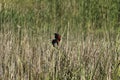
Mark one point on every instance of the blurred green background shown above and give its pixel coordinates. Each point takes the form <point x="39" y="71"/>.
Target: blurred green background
<point x="48" y="16"/>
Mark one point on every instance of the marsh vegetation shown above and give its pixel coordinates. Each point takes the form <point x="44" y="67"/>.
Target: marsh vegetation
<point x="90" y="45"/>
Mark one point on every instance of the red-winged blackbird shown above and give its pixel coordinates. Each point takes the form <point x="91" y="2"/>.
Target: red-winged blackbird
<point x="56" y="40"/>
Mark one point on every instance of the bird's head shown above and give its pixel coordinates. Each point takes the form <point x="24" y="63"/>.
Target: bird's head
<point x="57" y="36"/>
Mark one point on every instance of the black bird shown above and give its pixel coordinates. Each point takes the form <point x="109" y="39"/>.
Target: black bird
<point x="56" y="40"/>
